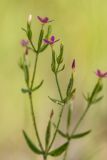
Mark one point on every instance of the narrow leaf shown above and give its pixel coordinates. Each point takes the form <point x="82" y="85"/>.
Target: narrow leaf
<point x="61" y="133"/>
<point x="48" y="134"/>
<point x="31" y="145"/>
<point x="49" y="31"/>
<point x="97" y="100"/>
<point x="38" y="86"/>
<point x="56" y="101"/>
<point x="86" y="98"/>
<point x="60" y="57"/>
<point x="80" y="135"/>
<point x="29" y="34"/>
<point x="70" y="95"/>
<point x="24" y="29"/>
<point x="25" y="90"/>
<point x="53" y="64"/>
<point x="58" y="151"/>
<point x="46" y="37"/>
<point x="98" y="87"/>
<point x="63" y="67"/>
<point x="26" y="73"/>
<point x="69" y="115"/>
<point x="70" y="85"/>
<point x="43" y="47"/>
<point x="40" y="39"/>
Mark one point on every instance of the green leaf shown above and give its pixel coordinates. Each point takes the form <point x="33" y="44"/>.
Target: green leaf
<point x="49" y="31"/>
<point x="37" y="87"/>
<point x="53" y="64"/>
<point x="58" y="151"/>
<point x="97" y="100"/>
<point x="29" y="32"/>
<point x="60" y="132"/>
<point x="48" y="134"/>
<point x="24" y="29"/>
<point x="86" y="97"/>
<point x="40" y="39"/>
<point x="46" y="37"/>
<point x="60" y="57"/>
<point x="56" y="101"/>
<point x="69" y="116"/>
<point x="21" y="63"/>
<point x="98" y="87"/>
<point x="70" y="95"/>
<point x="63" y="67"/>
<point x="70" y="85"/>
<point x="80" y="135"/>
<point x="43" y="47"/>
<point x="26" y="73"/>
<point x="31" y="145"/>
<point x="25" y="90"/>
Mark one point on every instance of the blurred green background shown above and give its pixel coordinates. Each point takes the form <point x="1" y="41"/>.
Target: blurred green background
<point x="82" y="27"/>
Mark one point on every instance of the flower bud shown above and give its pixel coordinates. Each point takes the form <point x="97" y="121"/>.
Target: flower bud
<point x="73" y="64"/>
<point x="52" y="113"/>
<point x="24" y="42"/>
<point x="29" y="19"/>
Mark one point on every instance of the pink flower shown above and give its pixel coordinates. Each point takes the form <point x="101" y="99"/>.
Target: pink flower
<point x="100" y="74"/>
<point x="24" y="42"/>
<point x="44" y="20"/>
<point x="51" y="41"/>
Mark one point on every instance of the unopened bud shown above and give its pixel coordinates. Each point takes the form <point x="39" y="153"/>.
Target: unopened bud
<point x="73" y="64"/>
<point x="52" y="113"/>
<point x="29" y="19"/>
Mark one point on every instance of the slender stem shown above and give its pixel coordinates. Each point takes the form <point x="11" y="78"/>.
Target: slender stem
<point x="75" y="128"/>
<point x="30" y="97"/>
<point x="34" y="121"/>
<point x="81" y="118"/>
<point x="34" y="71"/>
<point x="65" y="155"/>
<point x="54" y="136"/>
<point x="33" y="46"/>
<point x="56" y="78"/>
<point x="61" y="112"/>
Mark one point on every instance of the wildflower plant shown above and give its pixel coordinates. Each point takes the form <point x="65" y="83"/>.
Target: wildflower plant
<point x="64" y="101"/>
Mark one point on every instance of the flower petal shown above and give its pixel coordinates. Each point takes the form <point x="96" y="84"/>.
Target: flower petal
<point x="105" y="74"/>
<point x="45" y="20"/>
<point x="39" y="18"/>
<point x="52" y="38"/>
<point x="46" y="41"/>
<point x="56" y="40"/>
<point x="24" y="42"/>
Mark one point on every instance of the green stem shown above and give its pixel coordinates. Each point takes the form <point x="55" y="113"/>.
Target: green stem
<point x="33" y="46"/>
<point x="83" y="115"/>
<point x="30" y="98"/>
<point x="34" y="71"/>
<point x="65" y="154"/>
<point x="75" y="128"/>
<point x="81" y="118"/>
<point x="61" y="112"/>
<point x="34" y="121"/>
<point x="54" y="136"/>
<point x="58" y="86"/>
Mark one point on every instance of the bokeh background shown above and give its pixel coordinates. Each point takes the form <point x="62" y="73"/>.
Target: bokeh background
<point x="82" y="27"/>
